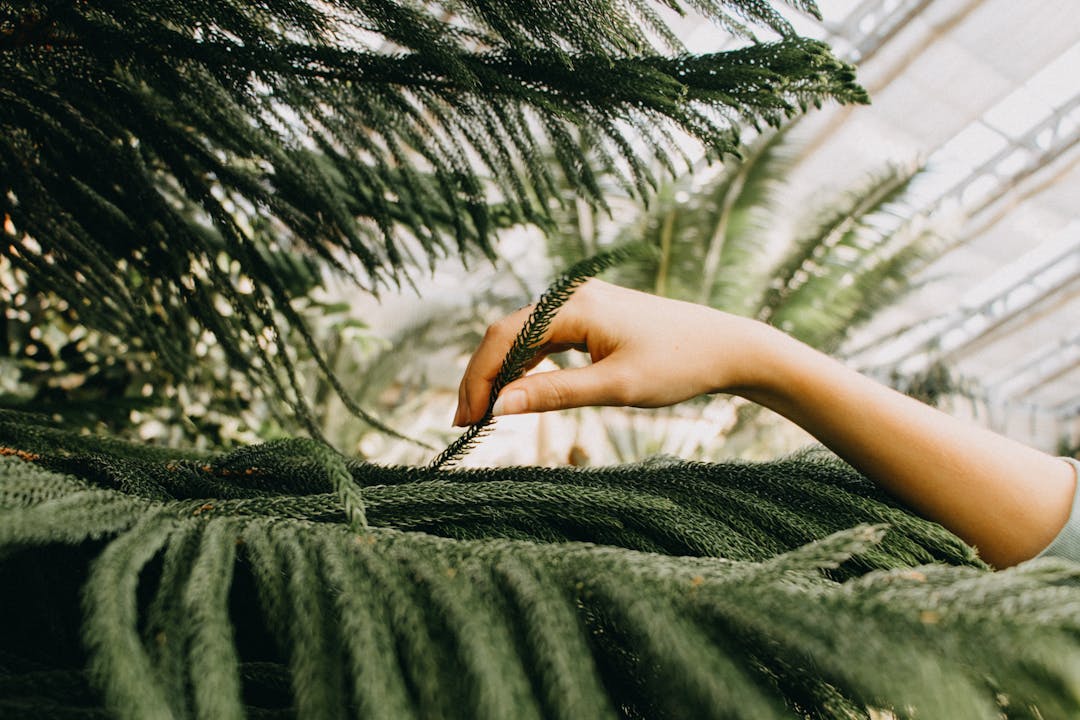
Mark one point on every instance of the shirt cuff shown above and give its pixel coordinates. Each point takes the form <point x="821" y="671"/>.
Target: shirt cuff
<point x="1067" y="543"/>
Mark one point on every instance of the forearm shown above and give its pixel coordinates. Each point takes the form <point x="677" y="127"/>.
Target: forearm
<point x="1007" y="499"/>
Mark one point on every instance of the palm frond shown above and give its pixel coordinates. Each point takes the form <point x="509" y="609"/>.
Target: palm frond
<point x="735" y="264"/>
<point x="847" y="268"/>
<point x="836" y="225"/>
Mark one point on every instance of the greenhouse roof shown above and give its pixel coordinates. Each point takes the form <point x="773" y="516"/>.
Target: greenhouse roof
<point x="987" y="93"/>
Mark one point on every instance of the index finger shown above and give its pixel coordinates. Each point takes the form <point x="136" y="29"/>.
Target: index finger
<point x="484" y="365"/>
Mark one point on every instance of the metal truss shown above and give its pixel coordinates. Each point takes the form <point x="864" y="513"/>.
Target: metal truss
<point x="1068" y="409"/>
<point x="1038" y="292"/>
<point x="868" y="27"/>
<point x="1034" y="294"/>
<point x="1037" y="370"/>
<point x="1039" y="146"/>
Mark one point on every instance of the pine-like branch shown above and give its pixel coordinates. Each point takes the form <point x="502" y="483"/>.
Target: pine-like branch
<point x="164" y="163"/>
<point x="516" y="592"/>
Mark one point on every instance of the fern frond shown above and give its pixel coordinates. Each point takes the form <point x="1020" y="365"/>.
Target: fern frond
<point x="72" y="518"/>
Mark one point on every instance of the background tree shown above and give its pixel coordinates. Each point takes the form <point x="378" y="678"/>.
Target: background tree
<point x="372" y="137"/>
<point x="726" y="236"/>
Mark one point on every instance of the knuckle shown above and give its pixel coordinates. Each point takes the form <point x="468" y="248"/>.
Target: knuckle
<point x="553" y="394"/>
<point x="503" y="328"/>
<point x="560" y="394"/>
<point x="493" y="331"/>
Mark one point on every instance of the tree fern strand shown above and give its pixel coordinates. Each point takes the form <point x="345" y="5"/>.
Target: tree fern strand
<point x="314" y="657"/>
<point x="378" y="688"/>
<point x="164" y="635"/>
<point x="212" y="649"/>
<point x="120" y="661"/>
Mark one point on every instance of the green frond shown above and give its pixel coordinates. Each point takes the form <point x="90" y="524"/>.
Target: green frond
<point x="72" y="518"/>
<point x="378" y="689"/>
<point x="120" y="662"/>
<point x="273" y="602"/>
<point x="269" y="578"/>
<point x="250" y="148"/>
<point x="552" y="641"/>
<point x="425" y="657"/>
<point x="836" y="242"/>
<point x="211" y="644"/>
<point x="712" y="229"/>
<point x="744" y="217"/>
<point x="348" y="492"/>
<point x="23" y="485"/>
<point x="315" y="653"/>
<point x="703" y="678"/>
<point x="165" y="635"/>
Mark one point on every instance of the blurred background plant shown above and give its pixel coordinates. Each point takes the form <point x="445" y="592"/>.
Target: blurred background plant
<point x="724" y="235"/>
<point x="729" y="237"/>
<point x="186" y="189"/>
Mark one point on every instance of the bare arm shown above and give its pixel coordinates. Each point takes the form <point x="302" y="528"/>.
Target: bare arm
<point x="1006" y="498"/>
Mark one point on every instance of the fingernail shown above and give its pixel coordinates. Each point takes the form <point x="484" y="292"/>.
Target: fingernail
<point x="509" y="403"/>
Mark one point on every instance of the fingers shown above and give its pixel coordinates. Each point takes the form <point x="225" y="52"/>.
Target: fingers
<point x="475" y="388"/>
<point x="598" y="384"/>
<point x="484" y="365"/>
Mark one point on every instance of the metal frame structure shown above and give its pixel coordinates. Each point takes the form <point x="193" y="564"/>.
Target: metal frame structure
<point x="1025" y="166"/>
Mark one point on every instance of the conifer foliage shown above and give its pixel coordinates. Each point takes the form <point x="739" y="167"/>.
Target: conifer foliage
<point x="285" y="580"/>
<point x="142" y="583"/>
<point x="163" y="162"/>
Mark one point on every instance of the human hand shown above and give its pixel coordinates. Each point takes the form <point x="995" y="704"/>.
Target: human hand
<point x="646" y="351"/>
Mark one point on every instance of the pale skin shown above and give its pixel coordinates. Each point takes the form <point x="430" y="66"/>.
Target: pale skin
<point x="1005" y="498"/>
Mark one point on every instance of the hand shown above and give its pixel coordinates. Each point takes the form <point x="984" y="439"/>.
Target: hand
<point x="646" y="351"/>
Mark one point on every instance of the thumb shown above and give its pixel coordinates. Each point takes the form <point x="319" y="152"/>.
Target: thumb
<point x="560" y="389"/>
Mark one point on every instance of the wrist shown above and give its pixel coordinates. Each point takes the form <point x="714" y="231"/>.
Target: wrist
<point x="768" y="365"/>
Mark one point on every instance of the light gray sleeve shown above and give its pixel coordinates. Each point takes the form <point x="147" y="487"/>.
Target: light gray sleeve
<point x="1067" y="543"/>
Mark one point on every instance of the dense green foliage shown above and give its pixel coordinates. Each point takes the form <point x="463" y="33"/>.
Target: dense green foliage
<point x="177" y="173"/>
<point x="165" y="167"/>
<point x="218" y="585"/>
